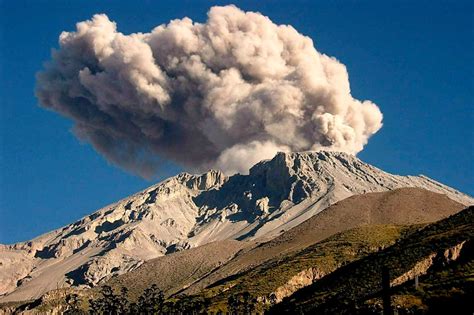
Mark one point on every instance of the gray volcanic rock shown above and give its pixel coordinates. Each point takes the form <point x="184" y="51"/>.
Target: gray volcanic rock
<point x="190" y="210"/>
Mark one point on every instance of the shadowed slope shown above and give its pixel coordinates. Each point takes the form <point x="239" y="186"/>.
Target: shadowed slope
<point x="276" y="279"/>
<point x="427" y="251"/>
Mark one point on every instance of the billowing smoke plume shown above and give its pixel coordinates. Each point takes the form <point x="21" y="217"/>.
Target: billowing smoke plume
<point x="225" y="94"/>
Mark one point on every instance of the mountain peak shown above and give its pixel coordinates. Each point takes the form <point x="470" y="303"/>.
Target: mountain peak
<point x="294" y="162"/>
<point x="208" y="180"/>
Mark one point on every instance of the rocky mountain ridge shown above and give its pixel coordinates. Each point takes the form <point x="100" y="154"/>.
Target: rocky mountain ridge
<point x="190" y="210"/>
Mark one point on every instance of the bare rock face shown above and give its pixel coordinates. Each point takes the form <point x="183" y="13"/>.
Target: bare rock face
<point x="298" y="281"/>
<point x="190" y="210"/>
<point x="206" y="181"/>
<point x="433" y="260"/>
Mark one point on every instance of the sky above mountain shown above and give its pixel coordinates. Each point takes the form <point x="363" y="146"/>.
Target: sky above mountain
<point x="413" y="60"/>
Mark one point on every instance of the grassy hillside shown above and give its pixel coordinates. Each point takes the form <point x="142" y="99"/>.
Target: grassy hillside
<point x="440" y="291"/>
<point x="432" y="250"/>
<point x="292" y="271"/>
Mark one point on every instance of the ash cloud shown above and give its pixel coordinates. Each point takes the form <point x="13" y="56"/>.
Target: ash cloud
<point x="225" y="93"/>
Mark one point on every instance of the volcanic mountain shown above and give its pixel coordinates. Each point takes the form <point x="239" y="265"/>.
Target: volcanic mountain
<point x="381" y="218"/>
<point x="191" y="210"/>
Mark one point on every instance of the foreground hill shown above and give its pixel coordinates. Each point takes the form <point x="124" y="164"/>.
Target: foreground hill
<point x="272" y="281"/>
<point x="190" y="210"/>
<point x="441" y="254"/>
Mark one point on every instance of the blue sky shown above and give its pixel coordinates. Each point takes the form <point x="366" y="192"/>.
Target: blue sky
<point x="414" y="60"/>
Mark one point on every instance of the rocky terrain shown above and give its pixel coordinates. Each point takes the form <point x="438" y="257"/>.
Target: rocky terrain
<point x="327" y="275"/>
<point x="400" y="207"/>
<point x="187" y="211"/>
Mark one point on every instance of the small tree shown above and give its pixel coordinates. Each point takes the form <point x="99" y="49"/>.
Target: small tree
<point x="72" y="301"/>
<point x="151" y="301"/>
<point x="272" y="299"/>
<point x="190" y="306"/>
<point x="109" y="303"/>
<point x="241" y="303"/>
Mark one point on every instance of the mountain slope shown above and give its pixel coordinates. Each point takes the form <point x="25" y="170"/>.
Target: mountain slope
<point x="278" y="278"/>
<point x="282" y="275"/>
<point x="190" y="210"/>
<point x="178" y="270"/>
<point x="428" y="251"/>
<point x="403" y="206"/>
